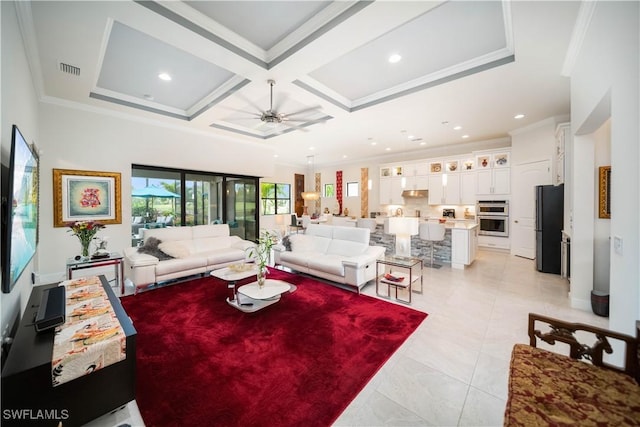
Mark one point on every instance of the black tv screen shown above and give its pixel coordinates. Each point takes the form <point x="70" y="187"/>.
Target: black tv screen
<point x="20" y="210"/>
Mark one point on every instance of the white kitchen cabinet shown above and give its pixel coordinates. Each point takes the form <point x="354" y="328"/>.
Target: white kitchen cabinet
<point x="417" y="183"/>
<point x="464" y="243"/>
<point x="452" y="190"/>
<point x="436" y="190"/>
<point x="468" y="188"/>
<point x="391" y="191"/>
<point x="441" y="193"/>
<point x="494" y="181"/>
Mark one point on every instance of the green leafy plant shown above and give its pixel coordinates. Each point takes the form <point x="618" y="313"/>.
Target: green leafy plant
<point x="262" y="251"/>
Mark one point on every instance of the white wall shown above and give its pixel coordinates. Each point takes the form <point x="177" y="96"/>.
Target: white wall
<point x="601" y="226"/>
<point x="605" y="74"/>
<point x="18" y="106"/>
<point x="534" y="142"/>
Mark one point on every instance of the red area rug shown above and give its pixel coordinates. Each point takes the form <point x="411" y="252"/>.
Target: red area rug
<point x="201" y="362"/>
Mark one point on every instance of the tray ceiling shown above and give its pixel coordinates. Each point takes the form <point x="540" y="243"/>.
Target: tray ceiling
<point x="335" y="92"/>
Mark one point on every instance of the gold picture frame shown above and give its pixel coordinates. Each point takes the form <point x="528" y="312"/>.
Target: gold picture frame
<point x="86" y="196"/>
<point x="604" y="192"/>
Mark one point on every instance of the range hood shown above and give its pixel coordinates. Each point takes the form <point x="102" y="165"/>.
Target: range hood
<point x="415" y="194"/>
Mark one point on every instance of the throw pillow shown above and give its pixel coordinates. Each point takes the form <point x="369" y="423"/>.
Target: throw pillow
<point x="286" y="243"/>
<point x="150" y="247"/>
<point x="301" y="243"/>
<point x="175" y="249"/>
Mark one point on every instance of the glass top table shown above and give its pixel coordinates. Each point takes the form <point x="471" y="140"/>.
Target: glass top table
<point x="403" y="279"/>
<point x="113" y="258"/>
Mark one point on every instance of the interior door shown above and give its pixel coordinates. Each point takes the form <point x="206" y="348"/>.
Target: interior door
<point x="523" y="206"/>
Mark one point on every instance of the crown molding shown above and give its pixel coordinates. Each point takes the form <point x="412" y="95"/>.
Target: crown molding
<point x="577" y="37"/>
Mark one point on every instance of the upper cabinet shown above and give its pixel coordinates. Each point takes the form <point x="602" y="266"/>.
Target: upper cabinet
<point x="391" y="191"/>
<point x="460" y="180"/>
<point x="493" y="173"/>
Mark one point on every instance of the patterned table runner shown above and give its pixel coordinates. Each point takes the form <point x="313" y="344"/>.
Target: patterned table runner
<point x="91" y="337"/>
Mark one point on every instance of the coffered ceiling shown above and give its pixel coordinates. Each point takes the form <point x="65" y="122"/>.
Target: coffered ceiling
<point x="465" y="68"/>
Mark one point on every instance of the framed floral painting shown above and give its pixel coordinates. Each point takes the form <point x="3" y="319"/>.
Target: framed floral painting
<point x="86" y="196"/>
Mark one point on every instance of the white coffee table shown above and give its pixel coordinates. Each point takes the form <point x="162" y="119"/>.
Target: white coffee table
<point x="232" y="277"/>
<point x="251" y="298"/>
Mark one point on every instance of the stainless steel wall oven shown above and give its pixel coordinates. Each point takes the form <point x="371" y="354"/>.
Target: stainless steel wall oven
<point x="493" y="217"/>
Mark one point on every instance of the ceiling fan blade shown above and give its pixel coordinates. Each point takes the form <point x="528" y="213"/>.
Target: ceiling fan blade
<point x="304" y="110"/>
<point x="296" y="127"/>
<point x="237" y="110"/>
<point x="257" y="111"/>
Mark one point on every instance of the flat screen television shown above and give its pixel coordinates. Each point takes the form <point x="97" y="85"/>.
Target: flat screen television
<point x="19" y="210"/>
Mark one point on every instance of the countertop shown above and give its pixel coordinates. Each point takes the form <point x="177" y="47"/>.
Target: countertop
<point x="468" y="224"/>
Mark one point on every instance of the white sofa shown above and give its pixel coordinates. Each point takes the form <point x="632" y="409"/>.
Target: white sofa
<point x="195" y="250"/>
<point x="339" y="254"/>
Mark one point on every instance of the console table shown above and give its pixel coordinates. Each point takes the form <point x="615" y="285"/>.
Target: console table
<point x="114" y="259"/>
<point x="27" y="387"/>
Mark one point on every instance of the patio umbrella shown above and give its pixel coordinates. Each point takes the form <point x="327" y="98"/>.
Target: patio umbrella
<point x="153" y="192"/>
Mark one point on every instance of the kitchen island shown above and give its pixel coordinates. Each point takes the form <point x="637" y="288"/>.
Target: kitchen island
<point x="458" y="248"/>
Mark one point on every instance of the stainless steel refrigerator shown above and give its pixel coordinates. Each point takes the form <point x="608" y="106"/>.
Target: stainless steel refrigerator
<point x="549" y="224"/>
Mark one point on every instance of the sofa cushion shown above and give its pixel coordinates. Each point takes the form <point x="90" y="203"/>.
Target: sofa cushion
<point x="169" y="234"/>
<point x="320" y="230"/>
<point x="150" y="247"/>
<point x="176" y="249"/>
<point x="180" y="264"/>
<point x="547" y="388"/>
<point x="331" y="264"/>
<point x="226" y="255"/>
<point x="349" y="241"/>
<point x="346" y="248"/>
<point x="207" y="244"/>
<point x="213" y="230"/>
<point x="297" y="258"/>
<point x="309" y="243"/>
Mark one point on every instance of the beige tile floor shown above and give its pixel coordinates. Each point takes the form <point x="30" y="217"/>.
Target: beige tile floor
<point x="453" y="370"/>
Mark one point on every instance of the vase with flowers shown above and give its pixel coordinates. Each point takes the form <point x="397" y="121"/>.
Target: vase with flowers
<point x="85" y="231"/>
<point x="261" y="254"/>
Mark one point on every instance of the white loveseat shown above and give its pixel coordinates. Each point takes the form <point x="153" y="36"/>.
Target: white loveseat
<point x="339" y="254"/>
<point x="197" y="249"/>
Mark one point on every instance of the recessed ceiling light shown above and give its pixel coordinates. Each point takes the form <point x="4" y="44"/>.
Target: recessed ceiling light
<point x="518" y="116"/>
<point x="411" y="137"/>
<point x="388" y="149"/>
<point x="344" y="156"/>
<point x="465" y="136"/>
<point x="164" y="76"/>
<point x="312" y="148"/>
<point x="374" y="143"/>
<point x="275" y="155"/>
<point x="395" y="58"/>
<point x="423" y="143"/>
<point x="457" y="127"/>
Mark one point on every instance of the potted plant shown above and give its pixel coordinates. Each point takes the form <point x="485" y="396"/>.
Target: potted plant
<point x="261" y="253"/>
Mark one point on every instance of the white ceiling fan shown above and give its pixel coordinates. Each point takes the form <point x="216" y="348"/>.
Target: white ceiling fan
<point x="272" y="115"/>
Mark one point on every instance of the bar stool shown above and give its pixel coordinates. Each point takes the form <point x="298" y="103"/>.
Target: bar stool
<point x="431" y="232"/>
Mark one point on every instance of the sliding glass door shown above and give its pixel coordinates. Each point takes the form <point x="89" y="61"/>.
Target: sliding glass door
<point x="241" y="207"/>
<point x="169" y="197"/>
<point x="203" y="199"/>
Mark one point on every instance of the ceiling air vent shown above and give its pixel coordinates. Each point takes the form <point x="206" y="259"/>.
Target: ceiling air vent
<point x="69" y="69"/>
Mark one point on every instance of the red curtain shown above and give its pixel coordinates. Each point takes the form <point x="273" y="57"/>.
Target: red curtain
<point x="339" y="191"/>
